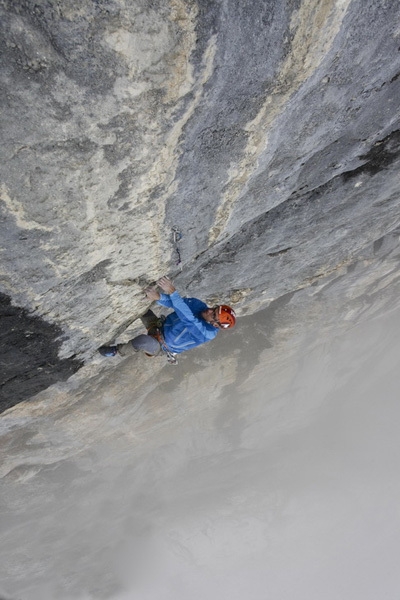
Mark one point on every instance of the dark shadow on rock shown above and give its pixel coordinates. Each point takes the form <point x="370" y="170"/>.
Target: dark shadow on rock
<point x="382" y="154"/>
<point x="29" y="360"/>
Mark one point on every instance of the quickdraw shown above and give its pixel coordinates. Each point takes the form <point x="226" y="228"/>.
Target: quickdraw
<point x="156" y="333"/>
<point x="176" y="237"/>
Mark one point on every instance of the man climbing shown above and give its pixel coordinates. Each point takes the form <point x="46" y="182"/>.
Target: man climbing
<point x="192" y="323"/>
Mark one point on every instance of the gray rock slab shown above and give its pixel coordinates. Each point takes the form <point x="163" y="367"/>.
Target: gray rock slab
<point x="265" y="132"/>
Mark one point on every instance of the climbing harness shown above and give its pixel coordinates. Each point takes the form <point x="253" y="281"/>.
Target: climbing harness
<point x="154" y="327"/>
<point x="157" y="335"/>
<point x="156" y="332"/>
<point x="176" y="237"/>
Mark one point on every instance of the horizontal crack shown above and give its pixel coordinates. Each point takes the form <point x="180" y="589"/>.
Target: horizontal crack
<point x="279" y="252"/>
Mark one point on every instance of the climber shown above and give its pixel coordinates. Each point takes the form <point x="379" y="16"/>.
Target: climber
<point x="192" y="323"/>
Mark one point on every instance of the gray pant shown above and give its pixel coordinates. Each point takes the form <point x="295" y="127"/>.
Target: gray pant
<point x="143" y="342"/>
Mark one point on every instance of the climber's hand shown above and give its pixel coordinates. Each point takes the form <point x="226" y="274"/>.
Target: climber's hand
<point x="152" y="293"/>
<point x="166" y="285"/>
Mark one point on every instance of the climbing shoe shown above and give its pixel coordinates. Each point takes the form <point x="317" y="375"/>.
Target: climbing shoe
<point x="108" y="350"/>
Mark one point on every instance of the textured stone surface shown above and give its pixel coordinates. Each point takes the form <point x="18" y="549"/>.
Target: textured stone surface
<point x="91" y="467"/>
<point x="266" y="132"/>
<point x="29" y="362"/>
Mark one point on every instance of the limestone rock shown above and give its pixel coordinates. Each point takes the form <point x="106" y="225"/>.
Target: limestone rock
<point x="267" y="133"/>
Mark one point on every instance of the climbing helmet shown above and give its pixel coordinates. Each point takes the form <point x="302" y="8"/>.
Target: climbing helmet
<point x="226" y="316"/>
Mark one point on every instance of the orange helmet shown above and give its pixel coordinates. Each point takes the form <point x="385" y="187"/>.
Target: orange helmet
<point x="226" y="316"/>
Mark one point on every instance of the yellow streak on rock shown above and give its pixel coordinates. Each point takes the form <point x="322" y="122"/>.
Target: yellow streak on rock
<point x="159" y="58"/>
<point x="163" y="171"/>
<point x="17" y="211"/>
<point x="317" y="22"/>
<point x="182" y="80"/>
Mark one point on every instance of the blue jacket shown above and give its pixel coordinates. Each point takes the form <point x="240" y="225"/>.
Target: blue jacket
<point x="184" y="328"/>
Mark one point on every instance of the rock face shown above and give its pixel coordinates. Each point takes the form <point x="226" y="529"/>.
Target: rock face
<point x="29" y="360"/>
<point x="266" y="133"/>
